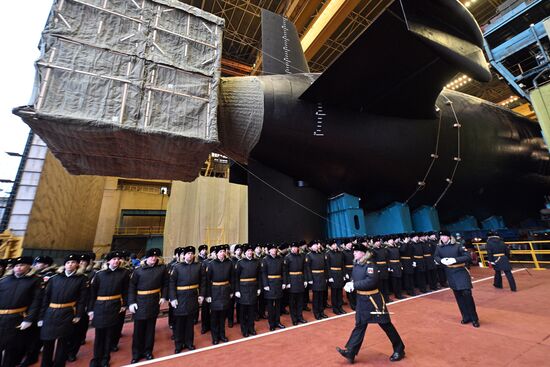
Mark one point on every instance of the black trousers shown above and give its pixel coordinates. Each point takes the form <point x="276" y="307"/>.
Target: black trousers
<point x="284" y="301"/>
<point x="205" y="317"/>
<point x="431" y="277"/>
<point x="352" y="299"/>
<point x="231" y="312"/>
<point x="384" y="286"/>
<point x="336" y="298"/>
<point x="217" y="324"/>
<point x="317" y="303"/>
<point x="144" y="337"/>
<point x="296" y="306"/>
<point x="466" y="304"/>
<point x="498" y="279"/>
<point x="184" y="335"/>
<point x="441" y="276"/>
<point x="118" y="330"/>
<point x="261" y="305"/>
<point x="273" y="311"/>
<point x="248" y="314"/>
<point x="306" y="296"/>
<point x="11" y="349"/>
<point x="396" y="286"/>
<point x="420" y="279"/>
<point x="48" y="358"/>
<point x="79" y="335"/>
<point x="33" y="344"/>
<point x="358" y="335"/>
<point x="103" y="342"/>
<point x="408" y="283"/>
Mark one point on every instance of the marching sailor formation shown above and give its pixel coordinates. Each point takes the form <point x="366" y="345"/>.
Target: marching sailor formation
<point x="50" y="308"/>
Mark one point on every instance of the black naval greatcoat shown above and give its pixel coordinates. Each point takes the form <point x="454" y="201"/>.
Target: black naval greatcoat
<point x="248" y="280"/>
<point x="335" y="266"/>
<point x="20" y="300"/>
<point x="429" y="250"/>
<point x="187" y="283"/>
<point x="406" y="253"/>
<point x="273" y="276"/>
<point x="369" y="299"/>
<point x="458" y="276"/>
<point x="295" y="270"/>
<point x="394" y="262"/>
<point x="317" y="271"/>
<point x="348" y="262"/>
<point x="64" y="299"/>
<point x="148" y="284"/>
<point x="418" y="256"/>
<point x="112" y="284"/>
<point x="498" y="253"/>
<point x="381" y="257"/>
<point x="219" y="283"/>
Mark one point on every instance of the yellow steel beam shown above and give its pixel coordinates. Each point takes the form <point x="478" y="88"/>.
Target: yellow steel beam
<point x="331" y="16"/>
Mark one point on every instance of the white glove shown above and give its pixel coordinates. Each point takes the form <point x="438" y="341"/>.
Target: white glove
<point x="201" y="300"/>
<point x="209" y="299"/>
<point x="288" y="285"/>
<point x="305" y="284"/>
<point x="24" y="325"/>
<point x="492" y="263"/>
<point x="238" y="294"/>
<point x="122" y="309"/>
<point x="284" y="286"/>
<point x="445" y="261"/>
<point x="133" y="307"/>
<point x="451" y="261"/>
<point x="266" y="289"/>
<point x="331" y="280"/>
<point x="258" y="292"/>
<point x="347" y="276"/>
<point x="174" y="303"/>
<point x="310" y="282"/>
<point x="91" y="315"/>
<point x="414" y="264"/>
<point x="40" y="323"/>
<point x="348" y="287"/>
<point x="76" y="320"/>
<point x="230" y="295"/>
<point x="161" y="301"/>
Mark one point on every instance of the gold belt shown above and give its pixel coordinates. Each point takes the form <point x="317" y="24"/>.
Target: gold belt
<point x="317" y="271"/>
<point x="405" y="257"/>
<point x="336" y="269"/>
<point x="367" y="293"/>
<point x="273" y="277"/>
<point x="349" y="266"/>
<point x="62" y="305"/>
<point x="380" y="262"/>
<point x="428" y="255"/>
<point x="145" y="293"/>
<point x="456" y="265"/>
<point x="394" y="261"/>
<point x="498" y="255"/>
<point x="13" y="311"/>
<point x="296" y="273"/>
<point x="220" y="283"/>
<point x="248" y="279"/>
<point x="187" y="287"/>
<point x="419" y="257"/>
<point x="110" y="298"/>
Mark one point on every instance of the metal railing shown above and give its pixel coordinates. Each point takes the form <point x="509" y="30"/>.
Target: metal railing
<point x="521" y="252"/>
<point x="133" y="231"/>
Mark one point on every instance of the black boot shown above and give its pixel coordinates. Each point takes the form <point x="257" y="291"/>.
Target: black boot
<point x="346" y="354"/>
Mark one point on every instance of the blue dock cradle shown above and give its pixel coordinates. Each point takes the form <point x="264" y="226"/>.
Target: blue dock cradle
<point x="466" y="223"/>
<point x="493" y="222"/>
<point x="425" y="219"/>
<point x="395" y="218"/>
<point x="346" y="218"/>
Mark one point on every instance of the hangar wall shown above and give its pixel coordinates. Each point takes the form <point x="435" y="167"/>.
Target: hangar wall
<point x="65" y="211"/>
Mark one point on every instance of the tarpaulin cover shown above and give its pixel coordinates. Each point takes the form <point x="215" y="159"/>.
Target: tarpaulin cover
<point x="128" y="88"/>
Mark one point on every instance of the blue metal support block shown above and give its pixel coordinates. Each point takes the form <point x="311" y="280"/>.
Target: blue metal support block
<point x="342" y="202"/>
<point x="493" y="222"/>
<point x="425" y="219"/>
<point x="346" y="223"/>
<point x="466" y="223"/>
<point x="395" y="218"/>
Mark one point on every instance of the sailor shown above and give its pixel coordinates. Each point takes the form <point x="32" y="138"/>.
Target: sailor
<point x="147" y="292"/>
<point x="274" y="282"/>
<point x="64" y="302"/>
<point x="316" y="268"/>
<point x="20" y="297"/>
<point x="187" y="290"/>
<point x="304" y="250"/>
<point x="498" y="255"/>
<point x="371" y="307"/>
<point x="234" y="303"/>
<point x="455" y="257"/>
<point x="406" y="251"/>
<point x="247" y="289"/>
<point x="260" y="313"/>
<point x="419" y="264"/>
<point x="429" y="245"/>
<point x="394" y="267"/>
<point x="381" y="258"/>
<point x="348" y="263"/>
<point x="295" y="270"/>
<point x="172" y="263"/>
<point x="283" y="251"/>
<point x="336" y="277"/>
<point x="203" y="253"/>
<point x="108" y="300"/>
<point x="219" y="291"/>
<point x="205" y="307"/>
